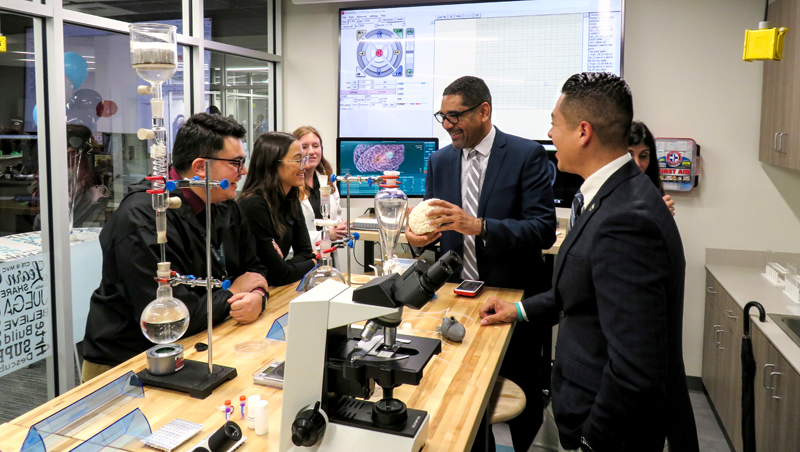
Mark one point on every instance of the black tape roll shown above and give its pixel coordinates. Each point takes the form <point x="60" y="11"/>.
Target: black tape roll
<point x="225" y="437"/>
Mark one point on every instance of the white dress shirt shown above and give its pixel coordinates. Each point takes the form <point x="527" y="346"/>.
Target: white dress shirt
<point x="593" y="183"/>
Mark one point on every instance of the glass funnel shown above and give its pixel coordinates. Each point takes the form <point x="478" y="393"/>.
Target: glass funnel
<point x="165" y="319"/>
<point x="390" y="208"/>
<point x="154" y="51"/>
<point x="324" y="271"/>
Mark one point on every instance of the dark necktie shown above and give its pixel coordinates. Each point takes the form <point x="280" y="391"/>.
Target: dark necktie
<point x="577" y="206"/>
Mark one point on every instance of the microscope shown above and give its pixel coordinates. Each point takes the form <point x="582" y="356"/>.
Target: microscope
<point x="332" y="367"/>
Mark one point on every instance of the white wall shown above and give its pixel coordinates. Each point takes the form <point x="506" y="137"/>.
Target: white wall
<point x="683" y="61"/>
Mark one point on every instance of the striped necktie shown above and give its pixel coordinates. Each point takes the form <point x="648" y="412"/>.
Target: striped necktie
<point x="577" y="207"/>
<point x="470" y="268"/>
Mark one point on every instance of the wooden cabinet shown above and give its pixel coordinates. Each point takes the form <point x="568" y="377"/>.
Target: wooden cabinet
<point x="779" y="142"/>
<point x="776" y="388"/>
<point x="776" y="382"/>
<point x="722" y="364"/>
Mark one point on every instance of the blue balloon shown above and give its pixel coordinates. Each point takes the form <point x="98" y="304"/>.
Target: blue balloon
<point x="75" y="68"/>
<point x="35" y="118"/>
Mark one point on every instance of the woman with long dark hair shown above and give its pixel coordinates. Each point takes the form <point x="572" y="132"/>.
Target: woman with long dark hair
<point x="642" y="146"/>
<point x="318" y="173"/>
<point x="270" y="200"/>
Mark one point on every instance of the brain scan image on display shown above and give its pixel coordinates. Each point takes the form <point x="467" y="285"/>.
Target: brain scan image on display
<point x="378" y="158"/>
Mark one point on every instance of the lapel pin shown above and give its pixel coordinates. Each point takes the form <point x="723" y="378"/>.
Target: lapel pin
<point x="591" y="207"/>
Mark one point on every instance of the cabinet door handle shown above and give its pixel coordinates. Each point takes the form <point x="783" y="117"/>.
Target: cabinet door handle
<point x="775" y="142"/>
<point x="764" y="377"/>
<point x="716" y="330"/>
<point x="730" y="315"/>
<point x="780" y="143"/>
<point x="720" y="341"/>
<point x="772" y="385"/>
<point x="708" y="289"/>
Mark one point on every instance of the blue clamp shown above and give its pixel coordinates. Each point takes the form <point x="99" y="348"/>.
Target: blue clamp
<point x="356" y="235"/>
<point x="224" y="184"/>
<point x="192" y="277"/>
<point x="226" y="284"/>
<point x="369" y="182"/>
<point x="350" y="243"/>
<point x="196" y="178"/>
<point x="333" y="178"/>
<point x="171" y="185"/>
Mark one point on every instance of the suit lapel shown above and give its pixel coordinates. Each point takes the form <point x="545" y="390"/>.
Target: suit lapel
<point x="492" y="170"/>
<point x="624" y="173"/>
<point x="453" y="160"/>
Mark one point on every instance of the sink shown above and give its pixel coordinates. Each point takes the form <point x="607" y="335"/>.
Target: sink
<point x="790" y="324"/>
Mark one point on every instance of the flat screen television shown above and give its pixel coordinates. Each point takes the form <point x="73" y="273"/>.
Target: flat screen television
<point x="394" y="62"/>
<point x="373" y="156"/>
<point x="565" y="185"/>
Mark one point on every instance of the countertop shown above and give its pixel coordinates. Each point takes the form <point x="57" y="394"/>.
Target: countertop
<point x="740" y="274"/>
<point x="455" y="389"/>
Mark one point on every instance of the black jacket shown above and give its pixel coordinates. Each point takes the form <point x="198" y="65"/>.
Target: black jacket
<point x="618" y="376"/>
<point x="130" y="257"/>
<point x="295" y="237"/>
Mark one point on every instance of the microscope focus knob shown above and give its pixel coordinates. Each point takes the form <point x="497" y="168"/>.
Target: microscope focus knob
<point x="308" y="427"/>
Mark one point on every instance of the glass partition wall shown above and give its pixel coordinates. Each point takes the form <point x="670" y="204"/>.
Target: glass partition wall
<point x="69" y="113"/>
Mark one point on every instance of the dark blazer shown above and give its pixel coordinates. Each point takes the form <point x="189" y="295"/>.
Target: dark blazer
<point x="618" y="377"/>
<point x="295" y="237"/>
<point x="517" y="203"/>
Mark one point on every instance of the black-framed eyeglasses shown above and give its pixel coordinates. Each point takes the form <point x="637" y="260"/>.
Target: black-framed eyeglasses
<point x="302" y="161"/>
<point x="238" y="162"/>
<point x="452" y="118"/>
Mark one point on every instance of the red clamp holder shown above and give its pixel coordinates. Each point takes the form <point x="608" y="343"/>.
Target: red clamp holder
<point x="389" y="181"/>
<point x="155" y="192"/>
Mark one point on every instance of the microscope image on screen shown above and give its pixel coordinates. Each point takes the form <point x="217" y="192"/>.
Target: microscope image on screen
<point x="378" y="158"/>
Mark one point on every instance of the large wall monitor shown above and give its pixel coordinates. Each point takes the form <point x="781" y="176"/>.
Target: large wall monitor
<point x="373" y="156"/>
<point x="394" y="63"/>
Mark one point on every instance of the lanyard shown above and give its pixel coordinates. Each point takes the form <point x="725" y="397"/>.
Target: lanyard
<point x="219" y="256"/>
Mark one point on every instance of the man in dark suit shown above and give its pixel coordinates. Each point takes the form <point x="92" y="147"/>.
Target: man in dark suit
<point x="497" y="212"/>
<point x="618" y="381"/>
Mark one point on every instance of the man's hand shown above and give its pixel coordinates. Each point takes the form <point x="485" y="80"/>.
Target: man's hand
<point x="670" y="203"/>
<point x="420" y="240"/>
<point x="245" y="307"/>
<point x="247" y="282"/>
<point x="453" y="218"/>
<point x="498" y="311"/>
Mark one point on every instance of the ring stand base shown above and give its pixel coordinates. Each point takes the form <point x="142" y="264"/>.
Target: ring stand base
<point x="193" y="378"/>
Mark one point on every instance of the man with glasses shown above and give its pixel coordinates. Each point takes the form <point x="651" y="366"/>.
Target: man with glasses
<point x="497" y="211"/>
<point x="131" y="251"/>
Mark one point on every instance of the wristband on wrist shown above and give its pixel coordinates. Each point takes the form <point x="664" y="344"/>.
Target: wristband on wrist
<point x="519" y="312"/>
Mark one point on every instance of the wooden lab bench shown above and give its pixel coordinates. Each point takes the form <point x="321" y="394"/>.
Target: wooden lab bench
<point x="455" y="389"/>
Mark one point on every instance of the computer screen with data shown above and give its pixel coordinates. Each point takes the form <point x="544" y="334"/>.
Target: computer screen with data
<point x="394" y="63"/>
<point x="373" y="156"/>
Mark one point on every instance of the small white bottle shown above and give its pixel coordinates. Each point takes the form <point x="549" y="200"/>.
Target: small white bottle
<point x="262" y="417"/>
<point x="251" y="411"/>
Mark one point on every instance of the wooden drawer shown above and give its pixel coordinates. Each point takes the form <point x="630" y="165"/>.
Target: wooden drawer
<point x="726" y="305"/>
